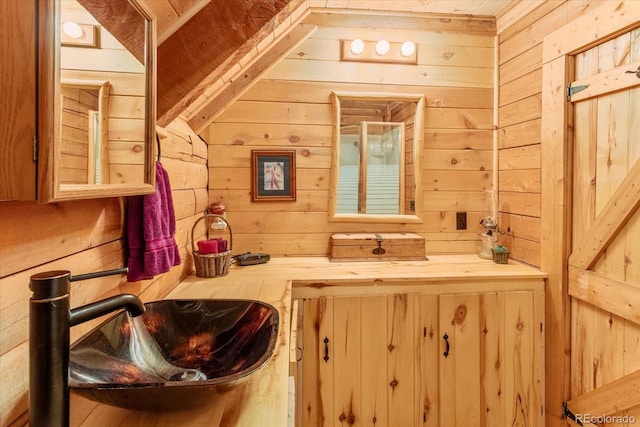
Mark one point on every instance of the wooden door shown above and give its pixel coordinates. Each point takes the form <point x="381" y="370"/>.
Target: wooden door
<point x="359" y="362"/>
<point x="18" y="106"/>
<point x="604" y="265"/>
<point x="491" y="355"/>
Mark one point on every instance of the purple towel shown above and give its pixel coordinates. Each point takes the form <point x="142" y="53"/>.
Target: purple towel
<point x="151" y="229"/>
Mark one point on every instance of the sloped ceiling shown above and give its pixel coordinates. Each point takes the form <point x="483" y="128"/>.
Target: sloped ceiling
<point x="202" y="42"/>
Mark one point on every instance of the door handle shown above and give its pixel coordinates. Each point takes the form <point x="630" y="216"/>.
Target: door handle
<point x="636" y="72"/>
<point x="446" y="341"/>
<point x="326" y="349"/>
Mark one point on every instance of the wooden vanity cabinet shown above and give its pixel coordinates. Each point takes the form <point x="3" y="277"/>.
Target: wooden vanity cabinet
<point x="419" y="359"/>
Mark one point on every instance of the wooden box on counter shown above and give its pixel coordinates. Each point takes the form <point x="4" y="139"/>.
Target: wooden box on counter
<point x="377" y="247"/>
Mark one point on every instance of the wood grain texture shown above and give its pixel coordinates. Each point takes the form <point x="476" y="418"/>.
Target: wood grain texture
<point x="18" y="109"/>
<point x="604" y="322"/>
<point x="123" y="21"/>
<point x="596" y="358"/>
<point x="188" y="56"/>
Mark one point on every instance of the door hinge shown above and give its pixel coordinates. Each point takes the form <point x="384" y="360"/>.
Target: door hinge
<point x="566" y="413"/>
<point x="35" y="148"/>
<point x="571" y="90"/>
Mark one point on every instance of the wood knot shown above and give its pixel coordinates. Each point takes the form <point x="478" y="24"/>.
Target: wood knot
<point x="448" y="55"/>
<point x="520" y="326"/>
<point x="461" y="314"/>
<point x="393" y="384"/>
<point x="350" y="419"/>
<point x="391" y="347"/>
<point x="137" y="148"/>
<point x="237" y="142"/>
<point x="305" y="153"/>
<point x="294" y="138"/>
<point x="454" y="161"/>
<point x="265" y="136"/>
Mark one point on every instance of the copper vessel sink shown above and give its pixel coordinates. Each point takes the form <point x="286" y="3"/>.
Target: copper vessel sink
<point x="223" y="341"/>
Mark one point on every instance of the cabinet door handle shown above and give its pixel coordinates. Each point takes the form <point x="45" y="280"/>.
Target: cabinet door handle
<point x="446" y="341"/>
<point x="326" y="349"/>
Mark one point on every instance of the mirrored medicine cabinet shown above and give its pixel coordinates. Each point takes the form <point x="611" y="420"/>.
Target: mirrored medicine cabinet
<point x="376" y="157"/>
<point x="96" y="107"/>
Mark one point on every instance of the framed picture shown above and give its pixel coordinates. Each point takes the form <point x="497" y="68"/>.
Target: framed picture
<point x="273" y="175"/>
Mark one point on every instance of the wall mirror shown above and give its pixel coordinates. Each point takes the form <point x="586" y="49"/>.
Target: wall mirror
<point x="97" y="132"/>
<point x="376" y="157"/>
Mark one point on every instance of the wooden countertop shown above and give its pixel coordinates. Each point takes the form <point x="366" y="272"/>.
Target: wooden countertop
<point x="262" y="399"/>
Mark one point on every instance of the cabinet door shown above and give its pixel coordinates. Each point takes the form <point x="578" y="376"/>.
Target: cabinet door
<point x="359" y="362"/>
<point x="18" y="105"/>
<point x="491" y="347"/>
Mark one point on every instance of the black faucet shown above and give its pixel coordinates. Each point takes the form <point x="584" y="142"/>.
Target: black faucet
<point x="50" y="321"/>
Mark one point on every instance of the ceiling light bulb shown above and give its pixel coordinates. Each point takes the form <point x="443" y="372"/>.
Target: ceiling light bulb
<point x="408" y="48"/>
<point x="382" y="47"/>
<point x="357" y="46"/>
<point x="72" y="30"/>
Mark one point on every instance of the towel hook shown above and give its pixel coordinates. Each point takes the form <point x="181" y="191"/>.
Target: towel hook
<point x="158" y="142"/>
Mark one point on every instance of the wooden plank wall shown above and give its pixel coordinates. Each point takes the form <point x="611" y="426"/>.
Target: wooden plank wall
<point x="519" y="108"/>
<point x="74" y="134"/>
<point x="289" y="108"/>
<point x="407" y="115"/>
<point x="85" y="236"/>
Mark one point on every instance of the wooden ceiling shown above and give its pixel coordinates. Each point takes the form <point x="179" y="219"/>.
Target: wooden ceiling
<point x="201" y="42"/>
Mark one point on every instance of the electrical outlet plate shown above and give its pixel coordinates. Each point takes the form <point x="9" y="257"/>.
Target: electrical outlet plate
<point x="461" y="220"/>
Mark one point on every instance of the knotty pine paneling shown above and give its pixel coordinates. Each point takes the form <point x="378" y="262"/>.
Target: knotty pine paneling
<point x="519" y="129"/>
<point x="85" y="236"/>
<point x="289" y="108"/>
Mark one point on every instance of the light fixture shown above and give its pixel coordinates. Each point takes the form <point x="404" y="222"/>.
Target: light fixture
<point x="382" y="47"/>
<point x="72" y="30"/>
<point x="79" y="35"/>
<point x="408" y="48"/>
<point x="357" y="46"/>
<point x="392" y="52"/>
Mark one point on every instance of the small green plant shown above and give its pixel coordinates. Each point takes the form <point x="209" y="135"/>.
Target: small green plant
<point x="500" y="248"/>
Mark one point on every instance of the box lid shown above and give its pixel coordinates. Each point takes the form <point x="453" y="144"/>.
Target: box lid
<point x="348" y="239"/>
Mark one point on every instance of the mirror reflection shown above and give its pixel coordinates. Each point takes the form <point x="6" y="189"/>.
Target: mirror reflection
<point x="104" y="98"/>
<point x="371" y="179"/>
<point x="377" y="157"/>
<point x="84" y="133"/>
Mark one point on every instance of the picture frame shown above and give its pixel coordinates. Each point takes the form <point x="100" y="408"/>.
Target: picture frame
<point x="273" y="175"/>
